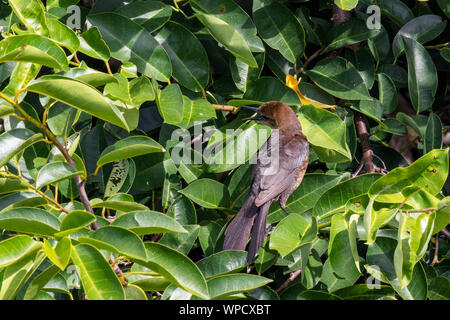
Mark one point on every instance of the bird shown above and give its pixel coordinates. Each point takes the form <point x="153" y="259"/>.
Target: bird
<point x="280" y="167"/>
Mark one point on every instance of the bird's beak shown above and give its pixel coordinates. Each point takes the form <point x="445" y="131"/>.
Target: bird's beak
<point x="254" y="109"/>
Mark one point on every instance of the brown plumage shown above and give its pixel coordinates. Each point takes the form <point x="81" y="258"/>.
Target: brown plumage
<point x="271" y="180"/>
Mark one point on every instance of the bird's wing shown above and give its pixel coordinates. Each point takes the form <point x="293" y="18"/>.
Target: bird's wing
<point x="277" y="176"/>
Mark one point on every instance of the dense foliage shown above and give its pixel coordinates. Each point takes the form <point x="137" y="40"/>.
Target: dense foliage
<point x="104" y="104"/>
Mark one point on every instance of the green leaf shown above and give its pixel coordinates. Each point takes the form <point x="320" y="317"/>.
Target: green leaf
<point x="6" y="110"/>
<point x="124" y="206"/>
<point x="395" y="10"/>
<point x="207" y="193"/>
<point x="414" y="233"/>
<point x="133" y="292"/>
<point x="179" y="110"/>
<point x="333" y="281"/>
<point x="117" y="239"/>
<point x="228" y="35"/>
<point x="141" y="48"/>
<point x="98" y="278"/>
<point x="29" y="220"/>
<point x="439" y="288"/>
<point x="279" y="28"/>
<point x="233" y="150"/>
<point x="380" y="264"/>
<point x="433" y="135"/>
<point x="90" y="76"/>
<point x="60" y="118"/>
<point x="387" y="93"/>
<point x="428" y="172"/>
<point x="79" y="95"/>
<point x="21" y="75"/>
<point x="380" y="45"/>
<point x="128" y="148"/>
<point x="341" y="247"/>
<point x="92" y="44"/>
<point x="346" y="5"/>
<point x="54" y="172"/>
<point x="228" y="284"/>
<point x="394" y="126"/>
<point x="63" y="35"/>
<point x="422" y="75"/>
<point x="442" y="215"/>
<point x="364" y="63"/>
<point x="335" y="199"/>
<point x="243" y="74"/>
<point x="148" y="222"/>
<point x="14" y="141"/>
<point x="15" y="276"/>
<point x="21" y="199"/>
<point x="317" y="295"/>
<point x="417" y="122"/>
<point x="445" y="6"/>
<point x="15" y="248"/>
<point x="183" y="211"/>
<point x="188" y="57"/>
<point x="141" y="90"/>
<point x="375" y="217"/>
<point x="177" y="268"/>
<point x="270" y="89"/>
<point x="181" y="242"/>
<point x="223" y="262"/>
<point x="290" y="233"/>
<point x="371" y="108"/>
<point x="151" y="15"/>
<point x="366" y="292"/>
<point x="422" y="29"/>
<point x="33" y="48"/>
<point x="9" y="185"/>
<point x="60" y="254"/>
<point x="74" y="221"/>
<point x="445" y="53"/>
<point x="38" y="283"/>
<point x="118" y="90"/>
<point x="305" y="196"/>
<point x="32" y="15"/>
<point x="348" y="33"/>
<point x="339" y="78"/>
<point x="326" y="132"/>
<point x="209" y="236"/>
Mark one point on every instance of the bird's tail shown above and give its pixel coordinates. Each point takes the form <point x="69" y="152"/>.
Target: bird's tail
<point x="258" y="232"/>
<point x="238" y="231"/>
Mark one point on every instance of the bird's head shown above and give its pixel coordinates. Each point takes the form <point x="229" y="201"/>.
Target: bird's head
<point x="275" y="114"/>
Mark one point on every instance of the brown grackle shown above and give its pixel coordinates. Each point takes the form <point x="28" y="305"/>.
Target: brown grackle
<point x="280" y="167"/>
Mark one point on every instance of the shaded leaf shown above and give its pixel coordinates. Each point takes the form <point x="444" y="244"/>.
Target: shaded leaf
<point x="98" y="278"/>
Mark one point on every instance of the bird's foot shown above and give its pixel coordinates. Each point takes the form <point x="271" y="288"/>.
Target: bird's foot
<point x="284" y="209"/>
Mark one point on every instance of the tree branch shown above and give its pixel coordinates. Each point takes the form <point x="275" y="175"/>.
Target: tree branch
<point x="367" y="159"/>
<point x="291" y="278"/>
<point x="80" y="185"/>
<point x="225" y="108"/>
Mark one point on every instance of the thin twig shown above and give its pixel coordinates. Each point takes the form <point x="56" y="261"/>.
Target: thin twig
<point x="308" y="61"/>
<point x="446" y="233"/>
<point x="225" y="108"/>
<point x="436" y="250"/>
<point x="108" y="68"/>
<point x="367" y="159"/>
<point x="79" y="183"/>
<point x="291" y="278"/>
